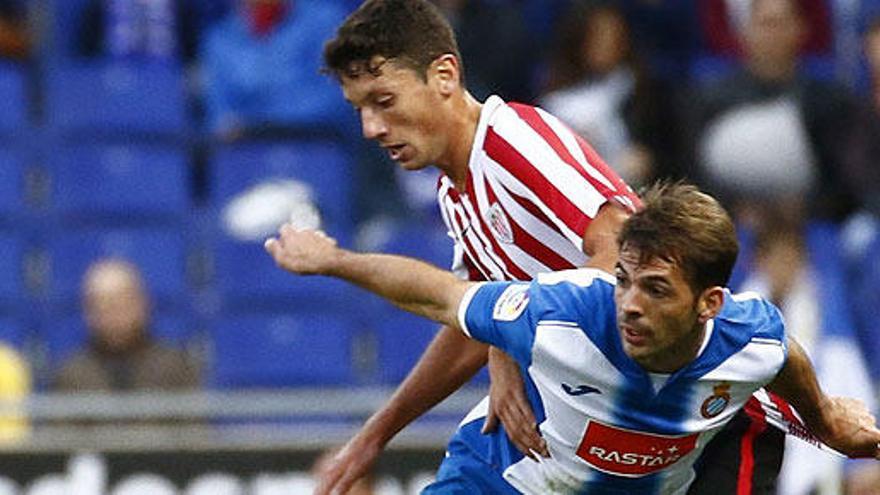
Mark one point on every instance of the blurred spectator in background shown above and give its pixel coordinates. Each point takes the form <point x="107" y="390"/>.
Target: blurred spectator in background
<point x="15" y="36"/>
<point x="121" y="355"/>
<point x="863" y="149"/>
<point x="495" y="45"/>
<point x="15" y="386"/>
<point x="599" y="86"/>
<point x="151" y="30"/>
<point x="262" y="70"/>
<point x="799" y="272"/>
<point x="724" y="23"/>
<point x="768" y="131"/>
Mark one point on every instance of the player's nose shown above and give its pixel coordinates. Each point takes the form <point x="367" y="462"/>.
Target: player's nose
<point x="372" y="126"/>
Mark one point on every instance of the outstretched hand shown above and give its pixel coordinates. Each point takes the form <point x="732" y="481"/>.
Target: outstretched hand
<point x="303" y="251"/>
<point x="852" y="429"/>
<point x="338" y="472"/>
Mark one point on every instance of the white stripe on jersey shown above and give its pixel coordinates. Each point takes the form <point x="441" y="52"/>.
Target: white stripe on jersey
<point x="480" y="241"/>
<point x="570" y="248"/>
<point x="486" y="264"/>
<point x="573" y="147"/>
<point x="545" y="159"/>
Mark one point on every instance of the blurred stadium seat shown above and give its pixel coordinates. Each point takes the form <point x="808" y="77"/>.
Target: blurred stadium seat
<point x="12" y="186"/>
<point x="13" y="99"/>
<point x="324" y="165"/>
<point x="244" y="273"/>
<point x="116" y="99"/>
<point x="401" y="336"/>
<point x="283" y="349"/>
<point x="67" y="19"/>
<point x="127" y="183"/>
<point x="161" y="255"/>
<point x="11" y="332"/>
<point x="12" y="285"/>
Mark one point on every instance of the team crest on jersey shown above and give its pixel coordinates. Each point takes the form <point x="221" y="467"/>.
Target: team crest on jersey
<point x="511" y="303"/>
<point x="499" y="224"/>
<point x="717" y="402"/>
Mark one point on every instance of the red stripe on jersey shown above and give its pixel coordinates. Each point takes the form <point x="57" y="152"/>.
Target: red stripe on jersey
<point x="531" y="116"/>
<point x="469" y="251"/>
<point x="503" y="152"/>
<point x="528" y="243"/>
<point x="534" y="210"/>
<point x="747" y="451"/>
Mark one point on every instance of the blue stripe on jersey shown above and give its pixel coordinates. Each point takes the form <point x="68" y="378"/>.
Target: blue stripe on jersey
<point x="515" y="337"/>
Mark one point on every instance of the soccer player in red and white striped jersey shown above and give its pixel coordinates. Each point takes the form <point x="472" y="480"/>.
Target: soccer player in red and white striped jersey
<point x="531" y="190"/>
<point x="521" y="195"/>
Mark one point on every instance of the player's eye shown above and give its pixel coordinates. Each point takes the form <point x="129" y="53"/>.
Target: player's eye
<point x="385" y="101"/>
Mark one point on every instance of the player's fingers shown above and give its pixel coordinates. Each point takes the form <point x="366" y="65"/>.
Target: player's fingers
<point x="490" y="423"/>
<point x="272" y="245"/>
<point x="526" y="419"/>
<point x="525" y="434"/>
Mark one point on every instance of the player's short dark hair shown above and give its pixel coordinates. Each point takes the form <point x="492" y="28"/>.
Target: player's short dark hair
<point x="684" y="225"/>
<point x="412" y="33"/>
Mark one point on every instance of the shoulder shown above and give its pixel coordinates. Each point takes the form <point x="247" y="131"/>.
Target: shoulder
<point x="748" y="310"/>
<point x="575" y="294"/>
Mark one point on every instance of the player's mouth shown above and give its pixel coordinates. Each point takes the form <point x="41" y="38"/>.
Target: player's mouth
<point x="633" y="336"/>
<point x="395" y="152"/>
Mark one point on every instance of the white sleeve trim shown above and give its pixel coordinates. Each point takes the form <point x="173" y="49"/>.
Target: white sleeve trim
<point x="463" y="306"/>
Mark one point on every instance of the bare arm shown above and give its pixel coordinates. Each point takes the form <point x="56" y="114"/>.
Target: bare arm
<point x="450" y="361"/>
<point x="600" y="239"/>
<point x="410" y="284"/>
<point x="843" y="424"/>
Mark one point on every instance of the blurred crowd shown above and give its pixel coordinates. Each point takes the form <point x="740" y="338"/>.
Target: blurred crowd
<point x="774" y="105"/>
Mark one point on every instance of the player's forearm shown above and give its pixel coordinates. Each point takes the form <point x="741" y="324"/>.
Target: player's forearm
<point x="412" y="285"/>
<point x="797" y="384"/>
<point x="600" y="239"/>
<point x="448" y="363"/>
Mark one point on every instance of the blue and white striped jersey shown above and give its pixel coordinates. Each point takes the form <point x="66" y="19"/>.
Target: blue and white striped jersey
<point x="611" y="427"/>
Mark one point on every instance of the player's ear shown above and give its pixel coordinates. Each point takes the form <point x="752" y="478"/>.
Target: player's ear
<point x="709" y="304"/>
<point x="445" y="72"/>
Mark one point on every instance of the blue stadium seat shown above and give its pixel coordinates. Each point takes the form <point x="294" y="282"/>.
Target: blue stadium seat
<point x="12" y="287"/>
<point x="124" y="182"/>
<point x="67" y="20"/>
<point x="161" y="255"/>
<point x="402" y="337"/>
<point x="12" y="332"/>
<point x="13" y="99"/>
<point x="12" y="185"/>
<point x="277" y="350"/>
<point x="245" y="274"/>
<point x="117" y="99"/>
<point x="324" y="165"/>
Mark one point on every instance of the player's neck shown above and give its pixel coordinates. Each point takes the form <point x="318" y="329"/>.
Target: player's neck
<point x="678" y="355"/>
<point x="462" y="131"/>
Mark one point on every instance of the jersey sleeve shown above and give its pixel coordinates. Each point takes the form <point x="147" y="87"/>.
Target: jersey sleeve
<point x="502" y="314"/>
<point x="569" y="182"/>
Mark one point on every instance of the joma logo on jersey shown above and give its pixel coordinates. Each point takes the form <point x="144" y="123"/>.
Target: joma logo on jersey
<point x="630" y="453"/>
<point x="499" y="224"/>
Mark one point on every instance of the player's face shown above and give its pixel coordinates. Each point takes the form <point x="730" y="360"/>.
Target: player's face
<point x="400" y="111"/>
<point x="657" y="313"/>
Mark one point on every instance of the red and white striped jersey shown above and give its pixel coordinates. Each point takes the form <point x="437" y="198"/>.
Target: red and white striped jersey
<point x="533" y="187"/>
